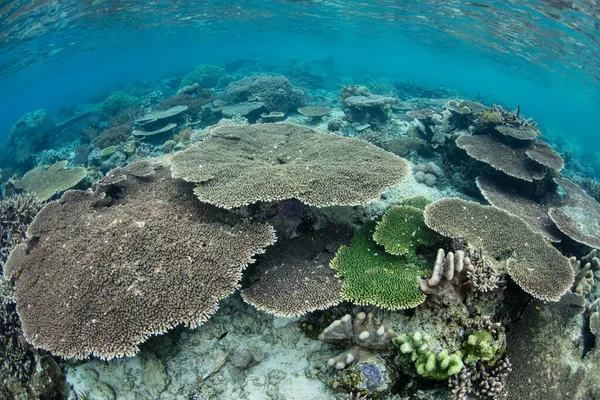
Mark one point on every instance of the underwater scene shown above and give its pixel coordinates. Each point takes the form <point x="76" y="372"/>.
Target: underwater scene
<point x="299" y="200"/>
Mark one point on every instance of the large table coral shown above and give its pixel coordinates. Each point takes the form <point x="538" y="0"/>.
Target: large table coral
<point x="103" y="270"/>
<point x="240" y="165"/>
<point x="532" y="263"/>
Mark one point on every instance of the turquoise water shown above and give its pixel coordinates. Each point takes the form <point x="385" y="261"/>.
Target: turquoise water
<point x="540" y="54"/>
<point x="299" y="200"/>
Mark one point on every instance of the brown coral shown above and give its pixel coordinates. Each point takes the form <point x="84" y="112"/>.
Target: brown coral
<point x="103" y="270"/>
<point x="532" y="263"/>
<point x="512" y="161"/>
<point x="45" y="181"/>
<point x="579" y="218"/>
<point x="240" y="165"/>
<point x="294" y="278"/>
<point x="507" y="198"/>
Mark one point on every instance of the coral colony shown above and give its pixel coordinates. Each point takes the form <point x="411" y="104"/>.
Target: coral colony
<point x="385" y="244"/>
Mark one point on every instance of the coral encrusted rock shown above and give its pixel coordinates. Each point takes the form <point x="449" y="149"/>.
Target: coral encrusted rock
<point x="275" y="91"/>
<point x="240" y="165"/>
<point x="294" y="278"/>
<point x="45" y="181"/>
<point x="103" y="270"/>
<point x="532" y="263"/>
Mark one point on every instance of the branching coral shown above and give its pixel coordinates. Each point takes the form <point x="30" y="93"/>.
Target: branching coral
<point x="586" y="271"/>
<point x="363" y="334"/>
<point x="135" y="257"/>
<point x="240" y="165"/>
<point x="16" y="213"/>
<point x="373" y="277"/>
<point x="402" y="229"/>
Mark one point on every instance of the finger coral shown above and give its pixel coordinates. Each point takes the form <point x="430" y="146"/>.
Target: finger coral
<point x="532" y="263"/>
<point x="240" y="165"/>
<point x="103" y="270"/>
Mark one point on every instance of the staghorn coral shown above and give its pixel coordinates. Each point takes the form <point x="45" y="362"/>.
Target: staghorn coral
<point x="513" y="161"/>
<point x="579" y="218"/>
<point x="402" y="229"/>
<point x="507" y="198"/>
<point x="133" y="258"/>
<point x="373" y="277"/>
<point x="44" y="182"/>
<point x="294" y="278"/>
<point x="532" y="263"/>
<point x="240" y="165"/>
<point x="362" y="335"/>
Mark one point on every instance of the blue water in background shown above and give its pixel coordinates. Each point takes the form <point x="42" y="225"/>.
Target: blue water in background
<point x="544" y="55"/>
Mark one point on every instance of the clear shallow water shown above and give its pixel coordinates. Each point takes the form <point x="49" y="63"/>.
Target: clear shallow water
<point x="544" y="55"/>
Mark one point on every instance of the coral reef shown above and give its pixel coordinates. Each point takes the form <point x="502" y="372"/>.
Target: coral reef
<point x="115" y="103"/>
<point x="45" y="182"/>
<point x="316" y="168"/>
<point x="360" y="335"/>
<point x="373" y="277"/>
<point x="532" y="263"/>
<point x="373" y="109"/>
<point x="135" y="257"/>
<point x="31" y="133"/>
<point x="204" y="75"/>
<point x="276" y="92"/>
<point x="294" y="278"/>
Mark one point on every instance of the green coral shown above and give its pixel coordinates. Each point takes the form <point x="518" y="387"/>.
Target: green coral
<point x="402" y="229"/>
<point x="482" y="346"/>
<point x="205" y="75"/>
<point x="489" y="117"/>
<point x="427" y="362"/>
<point x="373" y="277"/>
<point x="419" y="202"/>
<point x="108" y="151"/>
